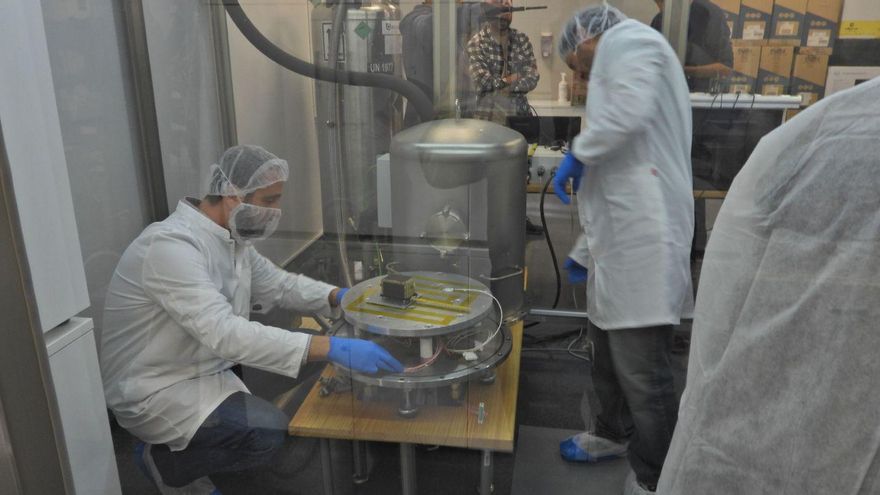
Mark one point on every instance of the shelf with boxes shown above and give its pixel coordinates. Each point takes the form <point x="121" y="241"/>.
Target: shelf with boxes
<point x="781" y="47"/>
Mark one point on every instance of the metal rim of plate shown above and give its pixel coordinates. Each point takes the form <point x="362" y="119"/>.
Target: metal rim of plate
<point x="364" y="311"/>
<point x="411" y="382"/>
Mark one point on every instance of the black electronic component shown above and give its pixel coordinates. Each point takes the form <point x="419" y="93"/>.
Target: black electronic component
<point x="399" y="288"/>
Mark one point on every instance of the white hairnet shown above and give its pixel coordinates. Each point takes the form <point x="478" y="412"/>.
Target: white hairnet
<point x="243" y="169"/>
<point x="586" y="25"/>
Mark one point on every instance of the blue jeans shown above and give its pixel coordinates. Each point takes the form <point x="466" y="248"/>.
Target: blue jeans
<point x="243" y="433"/>
<point x="632" y="379"/>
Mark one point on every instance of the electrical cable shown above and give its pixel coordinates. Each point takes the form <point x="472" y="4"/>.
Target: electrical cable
<point x="574" y="353"/>
<point x="549" y="338"/>
<point x="427" y="362"/>
<point x="478" y="347"/>
<point x="567" y="349"/>
<point x="549" y="242"/>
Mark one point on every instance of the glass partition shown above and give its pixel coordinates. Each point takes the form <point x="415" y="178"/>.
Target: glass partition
<point x="423" y="141"/>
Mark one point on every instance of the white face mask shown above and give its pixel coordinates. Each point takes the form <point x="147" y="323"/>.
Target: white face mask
<point x="249" y="222"/>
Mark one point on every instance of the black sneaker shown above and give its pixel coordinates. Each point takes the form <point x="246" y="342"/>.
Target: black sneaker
<point x="532" y="229"/>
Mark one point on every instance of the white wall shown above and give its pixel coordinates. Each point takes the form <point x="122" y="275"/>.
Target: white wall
<point x="275" y="108"/>
<point x="98" y="128"/>
<point x="181" y="50"/>
<point x="551" y="20"/>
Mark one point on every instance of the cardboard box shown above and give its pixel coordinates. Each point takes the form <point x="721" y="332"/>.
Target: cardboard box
<point x="788" y="19"/>
<point x="809" y="50"/>
<point x="808" y="77"/>
<point x="730" y="8"/>
<point x="746" y="62"/>
<point x="821" y="23"/>
<point x="759" y="43"/>
<point x="790" y="113"/>
<point x="754" y="19"/>
<point x="774" y="74"/>
<point x="791" y="43"/>
<point x="859" y="20"/>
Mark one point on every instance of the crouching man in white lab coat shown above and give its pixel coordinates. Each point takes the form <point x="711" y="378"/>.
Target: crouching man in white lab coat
<point x="632" y="172"/>
<point x="176" y="321"/>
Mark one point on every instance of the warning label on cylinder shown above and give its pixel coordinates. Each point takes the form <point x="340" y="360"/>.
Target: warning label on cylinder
<point x="390" y="27"/>
<point x="326" y="28"/>
<point x="363" y="30"/>
<point x="381" y="67"/>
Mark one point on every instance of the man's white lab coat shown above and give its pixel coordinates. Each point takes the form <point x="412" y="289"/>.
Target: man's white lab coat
<point x="635" y="200"/>
<point x="176" y="319"/>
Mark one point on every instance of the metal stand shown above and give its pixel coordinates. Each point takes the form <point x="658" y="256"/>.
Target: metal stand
<point x="407" y="408"/>
<point x="326" y="466"/>
<point x="488" y="377"/>
<point x="486" y="468"/>
<point x="408" y="468"/>
<point x="558" y="313"/>
<point x="361" y="469"/>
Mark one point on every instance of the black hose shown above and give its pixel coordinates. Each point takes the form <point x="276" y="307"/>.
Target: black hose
<point x="408" y="90"/>
<point x="549" y="242"/>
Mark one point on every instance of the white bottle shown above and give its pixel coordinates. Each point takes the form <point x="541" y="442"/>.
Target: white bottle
<point x="563" y="90"/>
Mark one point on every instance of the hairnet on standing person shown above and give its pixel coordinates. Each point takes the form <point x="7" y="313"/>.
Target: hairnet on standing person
<point x="781" y="392"/>
<point x="176" y="320"/>
<point x="631" y="170"/>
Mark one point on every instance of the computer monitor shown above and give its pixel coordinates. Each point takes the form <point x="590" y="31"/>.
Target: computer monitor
<point x="546" y="131"/>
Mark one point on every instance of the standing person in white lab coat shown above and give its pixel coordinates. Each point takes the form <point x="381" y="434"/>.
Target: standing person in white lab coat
<point x="632" y="172"/>
<point x="781" y="392"/>
<point x="176" y="321"/>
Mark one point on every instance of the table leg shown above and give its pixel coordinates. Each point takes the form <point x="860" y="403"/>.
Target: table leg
<point x="408" y="468"/>
<point x="361" y="470"/>
<point x="486" y="468"/>
<point x="326" y="466"/>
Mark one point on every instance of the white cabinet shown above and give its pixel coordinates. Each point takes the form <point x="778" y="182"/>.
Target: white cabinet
<point x="32" y="137"/>
<point x="73" y="360"/>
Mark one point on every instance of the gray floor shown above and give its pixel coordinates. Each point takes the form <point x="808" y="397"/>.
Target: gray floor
<point x="539" y="469"/>
<point x="548" y="410"/>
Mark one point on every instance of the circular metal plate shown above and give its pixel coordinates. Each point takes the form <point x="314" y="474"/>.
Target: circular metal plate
<point x="445" y="303"/>
<point x="448" y="369"/>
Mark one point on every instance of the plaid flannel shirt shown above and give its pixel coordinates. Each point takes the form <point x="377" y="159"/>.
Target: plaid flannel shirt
<point x="495" y="98"/>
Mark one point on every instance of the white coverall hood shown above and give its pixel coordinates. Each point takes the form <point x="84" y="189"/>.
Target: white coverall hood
<point x="781" y="392"/>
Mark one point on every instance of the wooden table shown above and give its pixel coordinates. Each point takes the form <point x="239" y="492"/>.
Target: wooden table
<point x="341" y="416"/>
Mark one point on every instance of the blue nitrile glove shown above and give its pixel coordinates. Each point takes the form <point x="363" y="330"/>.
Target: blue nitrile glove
<point x="577" y="273"/>
<point x="340" y="294"/>
<point x="362" y="355"/>
<point x="569" y="168"/>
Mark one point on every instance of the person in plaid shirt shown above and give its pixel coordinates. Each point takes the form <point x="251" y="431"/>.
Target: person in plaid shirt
<point x="502" y="67"/>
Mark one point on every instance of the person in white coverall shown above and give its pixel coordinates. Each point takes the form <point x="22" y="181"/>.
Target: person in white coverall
<point x="176" y="321"/>
<point x="631" y="170"/>
<point x="781" y="392"/>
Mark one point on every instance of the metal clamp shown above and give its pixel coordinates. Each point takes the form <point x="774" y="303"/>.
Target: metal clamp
<point x="332" y="384"/>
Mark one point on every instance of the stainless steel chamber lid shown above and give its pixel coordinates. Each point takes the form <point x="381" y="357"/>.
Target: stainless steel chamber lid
<point x="445" y="303"/>
<point x="453" y="152"/>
